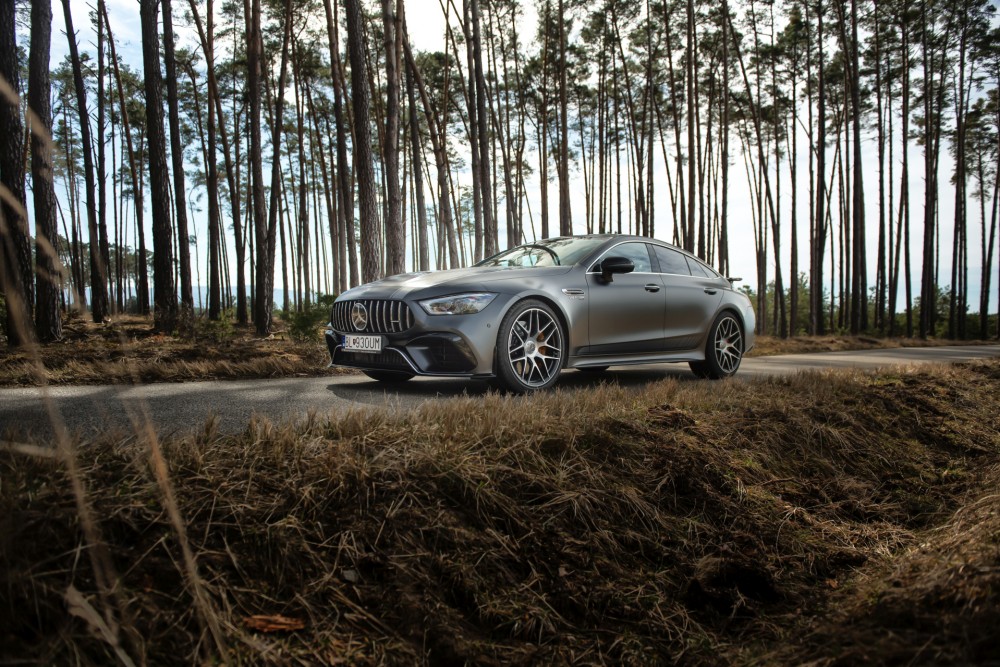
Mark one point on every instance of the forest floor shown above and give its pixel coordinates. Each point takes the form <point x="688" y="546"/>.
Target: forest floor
<point x="126" y="351"/>
<point x="832" y="518"/>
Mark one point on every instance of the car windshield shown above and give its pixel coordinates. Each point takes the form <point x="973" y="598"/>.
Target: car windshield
<point x="551" y="252"/>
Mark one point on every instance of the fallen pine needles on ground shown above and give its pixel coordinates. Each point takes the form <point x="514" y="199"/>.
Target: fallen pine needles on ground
<point x="767" y="346"/>
<point x="126" y="351"/>
<point x="831" y="517"/>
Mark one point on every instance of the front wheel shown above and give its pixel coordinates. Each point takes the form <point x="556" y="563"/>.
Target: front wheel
<point x="724" y="349"/>
<point x="530" y="347"/>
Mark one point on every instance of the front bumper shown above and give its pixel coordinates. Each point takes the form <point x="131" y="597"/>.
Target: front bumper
<point x="418" y="352"/>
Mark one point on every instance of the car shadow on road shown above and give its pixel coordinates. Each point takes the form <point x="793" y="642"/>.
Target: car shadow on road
<point x="421" y="389"/>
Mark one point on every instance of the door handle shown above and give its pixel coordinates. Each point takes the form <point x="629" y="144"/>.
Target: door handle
<point x="652" y="288"/>
<point x="710" y="290"/>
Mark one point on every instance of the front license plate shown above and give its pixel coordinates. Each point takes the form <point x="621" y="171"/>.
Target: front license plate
<point x="371" y="344"/>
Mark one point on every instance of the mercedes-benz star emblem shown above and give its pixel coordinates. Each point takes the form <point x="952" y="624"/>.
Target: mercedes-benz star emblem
<point x="359" y="316"/>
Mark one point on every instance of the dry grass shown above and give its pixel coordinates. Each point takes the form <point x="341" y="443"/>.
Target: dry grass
<point x="126" y="351"/>
<point x="694" y="523"/>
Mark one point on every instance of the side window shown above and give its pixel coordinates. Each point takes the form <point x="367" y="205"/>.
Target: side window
<point x="634" y="251"/>
<point x="671" y="261"/>
<point x="699" y="269"/>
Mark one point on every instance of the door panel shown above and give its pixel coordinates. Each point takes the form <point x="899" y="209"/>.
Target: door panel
<point x="626" y="315"/>
<point x="690" y="310"/>
<point x="691" y="301"/>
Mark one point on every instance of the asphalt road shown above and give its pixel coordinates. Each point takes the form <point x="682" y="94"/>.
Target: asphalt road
<point x="184" y="407"/>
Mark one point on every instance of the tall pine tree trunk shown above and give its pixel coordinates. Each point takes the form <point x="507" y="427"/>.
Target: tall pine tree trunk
<point x="395" y="232"/>
<point x="48" y="324"/>
<point x="177" y="158"/>
<point x="356" y="47"/>
<point x="17" y="282"/>
<point x="164" y="291"/>
<point x="142" y="283"/>
<point x="98" y="282"/>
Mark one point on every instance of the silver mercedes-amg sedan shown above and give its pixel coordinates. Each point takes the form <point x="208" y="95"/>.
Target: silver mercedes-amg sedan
<point x="522" y="316"/>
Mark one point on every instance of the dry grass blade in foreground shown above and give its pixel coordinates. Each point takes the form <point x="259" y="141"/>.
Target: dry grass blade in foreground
<point x="694" y="523"/>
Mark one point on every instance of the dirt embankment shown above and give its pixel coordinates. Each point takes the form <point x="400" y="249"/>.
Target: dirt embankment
<point x="835" y="518"/>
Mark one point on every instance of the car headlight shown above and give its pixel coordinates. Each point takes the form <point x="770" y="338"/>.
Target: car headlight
<point x="458" y="304"/>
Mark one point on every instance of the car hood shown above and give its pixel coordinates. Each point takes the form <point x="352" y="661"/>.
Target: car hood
<point x="433" y="283"/>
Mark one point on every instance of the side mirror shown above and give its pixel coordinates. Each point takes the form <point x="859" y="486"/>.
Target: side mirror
<point x="613" y="265"/>
<point x="733" y="281"/>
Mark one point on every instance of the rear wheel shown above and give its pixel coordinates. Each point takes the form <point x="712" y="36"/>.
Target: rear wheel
<point x="389" y="376"/>
<point x="724" y="349"/>
<point x="530" y="347"/>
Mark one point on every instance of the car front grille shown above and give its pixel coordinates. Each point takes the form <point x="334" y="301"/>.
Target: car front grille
<point x="382" y="316"/>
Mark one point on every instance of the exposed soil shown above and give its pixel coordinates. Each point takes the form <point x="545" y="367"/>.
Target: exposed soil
<point x="833" y="518"/>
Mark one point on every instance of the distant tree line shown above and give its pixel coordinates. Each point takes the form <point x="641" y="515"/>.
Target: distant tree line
<point x="313" y="132"/>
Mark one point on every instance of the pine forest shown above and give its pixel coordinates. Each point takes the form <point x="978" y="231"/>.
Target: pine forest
<point x="239" y="160"/>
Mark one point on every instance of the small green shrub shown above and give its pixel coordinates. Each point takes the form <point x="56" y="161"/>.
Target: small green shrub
<point x="305" y="324"/>
<point x="217" y="331"/>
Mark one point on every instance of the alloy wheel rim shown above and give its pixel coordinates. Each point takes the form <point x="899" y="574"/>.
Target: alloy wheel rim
<point x="534" y="347"/>
<point x="728" y="345"/>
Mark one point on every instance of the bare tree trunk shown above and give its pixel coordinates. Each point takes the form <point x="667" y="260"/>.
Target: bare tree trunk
<point x="215" y="111"/>
<point x="987" y="262"/>
<point x="266" y="232"/>
<point x="363" y="167"/>
<point x="819" y="234"/>
<point x="98" y="282"/>
<point x="214" y="223"/>
<point x="933" y="107"/>
<point x="164" y="292"/>
<point x="565" y="217"/>
<point x="438" y="137"/>
<point x="102" y="203"/>
<point x="177" y="158"/>
<point x="262" y="301"/>
<point x="395" y="232"/>
<point x="724" y="231"/>
<point x="303" y="216"/>
<point x="859" y="282"/>
<point x="17" y="281"/>
<point x="490" y="231"/>
<point x="543" y="124"/>
<point x="48" y="324"/>
<point x="344" y="189"/>
<point x="690" y="85"/>
<point x="423" y="256"/>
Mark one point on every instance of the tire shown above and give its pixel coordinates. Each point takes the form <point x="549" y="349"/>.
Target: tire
<point x="723" y="350"/>
<point x="530" y="349"/>
<point x="699" y="368"/>
<point x="389" y="376"/>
